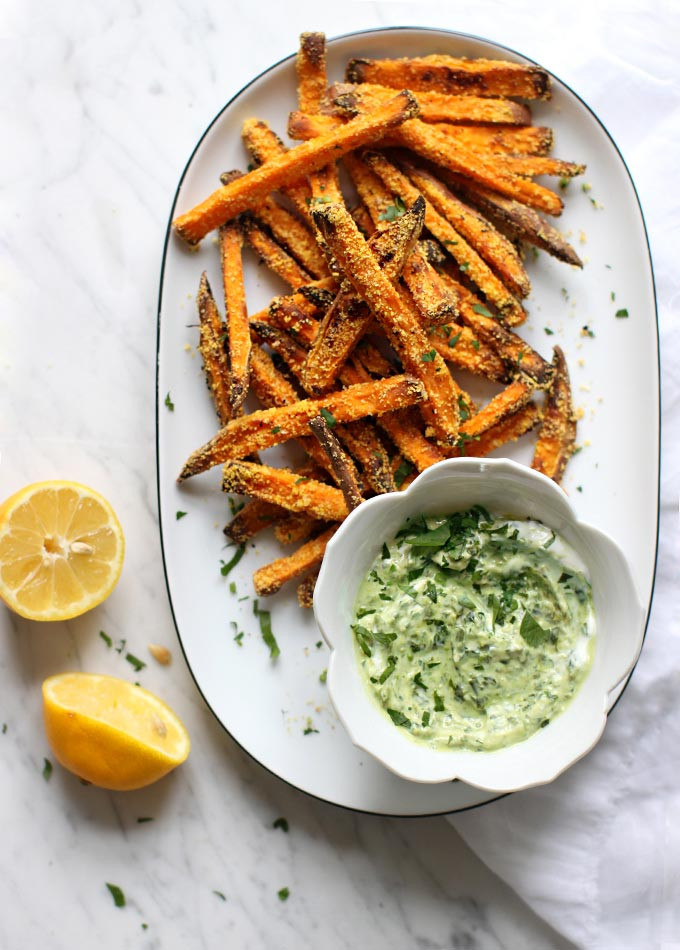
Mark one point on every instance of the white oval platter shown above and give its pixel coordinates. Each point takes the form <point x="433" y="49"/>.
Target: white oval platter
<point x="278" y="711"/>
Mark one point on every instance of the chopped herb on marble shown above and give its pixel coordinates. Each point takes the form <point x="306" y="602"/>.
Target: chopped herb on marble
<point x="116" y="894"/>
<point x="121" y="646"/>
<point x="169" y="403"/>
<point x="134" y="662"/>
<point x="179" y="515"/>
<point x="319" y="644"/>
<point x="548" y="331"/>
<point x="47" y="770"/>
<point x="220" y="895"/>
<point x="309" y="729"/>
<point x="622" y="313"/>
<point x="232" y="587"/>
<point x="106" y="638"/>
<point x="283" y="894"/>
<point x="141" y="821"/>
<point x="281" y="823"/>
<point x="323" y="676"/>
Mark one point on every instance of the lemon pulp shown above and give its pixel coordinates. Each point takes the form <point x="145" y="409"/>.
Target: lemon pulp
<point x="61" y="550"/>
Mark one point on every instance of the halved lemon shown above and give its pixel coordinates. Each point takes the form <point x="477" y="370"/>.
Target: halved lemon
<point x="61" y="550"/>
<point x="110" y="732"/>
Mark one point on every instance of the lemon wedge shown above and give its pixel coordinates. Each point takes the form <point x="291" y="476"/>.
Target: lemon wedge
<point x="110" y="732"/>
<point x="61" y="550"/>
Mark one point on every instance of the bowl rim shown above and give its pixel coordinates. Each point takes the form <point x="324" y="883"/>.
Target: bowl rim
<point x="461" y="764"/>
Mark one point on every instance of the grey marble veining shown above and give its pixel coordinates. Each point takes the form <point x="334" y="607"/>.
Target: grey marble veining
<point x="103" y="110"/>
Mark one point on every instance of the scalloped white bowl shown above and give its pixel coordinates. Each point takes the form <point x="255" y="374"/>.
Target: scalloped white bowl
<point x="508" y="489"/>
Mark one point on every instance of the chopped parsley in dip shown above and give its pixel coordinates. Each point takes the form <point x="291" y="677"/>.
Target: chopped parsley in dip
<point x="473" y="631"/>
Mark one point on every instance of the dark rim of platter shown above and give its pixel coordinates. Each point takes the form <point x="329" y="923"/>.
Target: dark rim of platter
<point x="168" y="237"/>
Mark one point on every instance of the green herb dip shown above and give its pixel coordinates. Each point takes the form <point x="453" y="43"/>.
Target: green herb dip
<point x="474" y="631"/>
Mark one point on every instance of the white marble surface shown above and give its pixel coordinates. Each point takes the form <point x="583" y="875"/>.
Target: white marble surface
<point x="101" y="111"/>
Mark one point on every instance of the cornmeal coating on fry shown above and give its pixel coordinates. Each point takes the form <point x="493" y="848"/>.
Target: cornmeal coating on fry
<point x="349" y="316"/>
<point x="527" y="140"/>
<point x="349" y="99"/>
<point x="285" y="488"/>
<point x="480" y="77"/>
<point x="437" y="147"/>
<point x="557" y="435"/>
<point x="255" y="516"/>
<point x="467" y="258"/>
<point x="267" y="427"/>
<point x="512" y="398"/>
<point x="212" y="347"/>
<point x="403" y="328"/>
<point x="489" y="243"/>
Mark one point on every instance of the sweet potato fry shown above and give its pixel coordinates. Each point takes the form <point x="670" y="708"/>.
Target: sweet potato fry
<point x="285" y="488"/>
<point x="311" y="73"/>
<point x="467" y="258"/>
<point x="405" y="332"/>
<point x="489" y="243"/>
<point x="458" y="345"/>
<point x="294" y="236"/>
<point x="434" y="300"/>
<point x="406" y="431"/>
<point x="310" y="66"/>
<point x="557" y="434"/>
<point x="526" y="140"/>
<point x="517" y="220"/>
<point x="348" y="99"/>
<point x="255" y="516"/>
<point x="271" y="578"/>
<point x="271" y="388"/>
<point x="359" y="437"/>
<point x="212" y="347"/>
<point x="532" y="165"/>
<point x="517" y="355"/>
<point x="267" y="427"/>
<point x="363" y="221"/>
<point x="512" y="398"/>
<point x="238" y="334"/>
<point x="349" y="316"/>
<point x="362" y="441"/>
<point x="295" y="526"/>
<point x="507" y="430"/>
<point x="273" y="391"/>
<point x="273" y="255"/>
<point x="304" y="126"/>
<point x="305" y="591"/>
<point x="264" y="145"/>
<point x="345" y="472"/>
<point x="437" y="147"/>
<point x="453" y="76"/>
<point x="244" y="193"/>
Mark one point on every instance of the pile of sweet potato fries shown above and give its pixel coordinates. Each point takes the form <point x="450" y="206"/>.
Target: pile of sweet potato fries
<point x="423" y="273"/>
